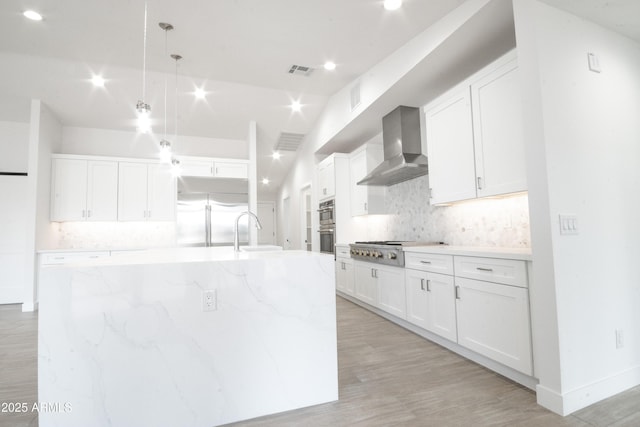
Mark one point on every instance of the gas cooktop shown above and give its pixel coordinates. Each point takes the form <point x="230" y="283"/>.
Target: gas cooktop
<point x="387" y="252"/>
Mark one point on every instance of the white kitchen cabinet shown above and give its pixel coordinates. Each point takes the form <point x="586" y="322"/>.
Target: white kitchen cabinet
<point x="381" y="286"/>
<point x="326" y="179"/>
<point x="450" y="147"/>
<point x="365" y="199"/>
<point x="146" y="192"/>
<point x="345" y="280"/>
<point x="84" y="190"/>
<point x="366" y="287"/>
<point x="213" y="167"/>
<point x="498" y="133"/>
<point x="493" y="309"/>
<point x="475" y="138"/>
<point x="430" y="296"/>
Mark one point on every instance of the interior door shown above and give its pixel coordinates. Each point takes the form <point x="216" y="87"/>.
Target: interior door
<point x="305" y="218"/>
<point x="286" y="220"/>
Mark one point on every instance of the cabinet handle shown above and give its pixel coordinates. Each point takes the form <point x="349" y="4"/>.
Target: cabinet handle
<point x="428" y="285"/>
<point x="374" y="273"/>
<point x="479" y="183"/>
<point x="425" y="262"/>
<point x="484" y="269"/>
<point x="365" y="206"/>
<point x="84" y="214"/>
<point x="431" y="193"/>
<point x="422" y="284"/>
<point x="211" y="170"/>
<point x="457" y="292"/>
<point x="89" y="214"/>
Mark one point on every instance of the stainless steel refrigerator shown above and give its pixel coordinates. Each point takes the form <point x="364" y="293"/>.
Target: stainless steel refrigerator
<point x="207" y="211"/>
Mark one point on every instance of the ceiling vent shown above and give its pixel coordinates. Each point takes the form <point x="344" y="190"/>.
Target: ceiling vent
<point x="289" y="141"/>
<point x="300" y="70"/>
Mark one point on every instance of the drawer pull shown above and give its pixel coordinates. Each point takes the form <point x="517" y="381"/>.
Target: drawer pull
<point x="425" y="262"/>
<point x="484" y="269"/>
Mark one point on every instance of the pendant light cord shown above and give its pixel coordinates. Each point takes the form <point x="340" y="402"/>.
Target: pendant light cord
<point x="144" y="55"/>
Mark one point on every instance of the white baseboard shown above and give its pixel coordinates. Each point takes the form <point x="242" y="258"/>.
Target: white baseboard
<point x="581" y="397"/>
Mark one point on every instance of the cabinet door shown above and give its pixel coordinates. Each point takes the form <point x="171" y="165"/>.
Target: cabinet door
<point x="493" y="320"/>
<point x="391" y="291"/>
<point x="450" y="148"/>
<point x="69" y="198"/>
<point x="417" y="298"/>
<point x="326" y="180"/>
<point x="441" y="308"/>
<point x="365" y="284"/>
<point x="231" y="170"/>
<point x="102" y="190"/>
<point x="357" y="171"/>
<point x="344" y="276"/>
<point x="161" y="188"/>
<point x="194" y="167"/>
<point x="498" y="132"/>
<point x="132" y="191"/>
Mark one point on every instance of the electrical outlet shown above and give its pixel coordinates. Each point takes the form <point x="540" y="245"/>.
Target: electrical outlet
<point x="209" y="300"/>
<point x="619" y="338"/>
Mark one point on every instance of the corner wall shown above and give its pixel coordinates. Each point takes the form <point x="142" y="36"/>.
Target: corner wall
<point x="582" y="154"/>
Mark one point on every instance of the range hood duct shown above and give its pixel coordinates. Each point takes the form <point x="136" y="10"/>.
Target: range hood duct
<point x="402" y="142"/>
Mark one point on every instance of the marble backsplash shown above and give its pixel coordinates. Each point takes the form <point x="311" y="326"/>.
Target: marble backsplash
<point x="500" y="222"/>
<point x="120" y="235"/>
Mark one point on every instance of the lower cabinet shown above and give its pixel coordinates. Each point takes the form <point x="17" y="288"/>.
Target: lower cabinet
<point x="431" y="302"/>
<point x="478" y="303"/>
<point x="381" y="286"/>
<point x="344" y="276"/>
<point x="493" y="320"/>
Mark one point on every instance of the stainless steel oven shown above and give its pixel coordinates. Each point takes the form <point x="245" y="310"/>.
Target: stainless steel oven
<point x="326" y="214"/>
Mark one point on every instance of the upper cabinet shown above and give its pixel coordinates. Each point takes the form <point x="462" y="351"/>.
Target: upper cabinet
<point x="475" y="139"/>
<point x="214" y="168"/>
<point x="84" y="190"/>
<point x="365" y="199"/>
<point x="146" y="192"/>
<point x="327" y="178"/>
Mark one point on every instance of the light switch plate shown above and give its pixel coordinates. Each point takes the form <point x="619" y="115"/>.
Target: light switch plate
<point x="568" y="224"/>
<point x="594" y="62"/>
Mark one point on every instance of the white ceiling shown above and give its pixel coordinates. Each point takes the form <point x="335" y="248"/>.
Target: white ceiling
<point x="239" y="51"/>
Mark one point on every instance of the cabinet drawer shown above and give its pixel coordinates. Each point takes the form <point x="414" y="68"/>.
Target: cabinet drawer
<point x="342" y="252"/>
<point x="434" y="263"/>
<point x="69" y="257"/>
<point x="505" y="271"/>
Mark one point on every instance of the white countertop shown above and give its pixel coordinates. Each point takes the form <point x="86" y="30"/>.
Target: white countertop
<point x="479" y="251"/>
<point x="197" y="254"/>
<point x="488" y="252"/>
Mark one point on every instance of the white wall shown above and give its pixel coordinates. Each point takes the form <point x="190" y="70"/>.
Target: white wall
<point x="583" y="151"/>
<point x="14" y="146"/>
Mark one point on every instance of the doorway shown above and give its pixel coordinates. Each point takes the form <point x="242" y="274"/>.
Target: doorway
<point x="305" y="218"/>
<point x="286" y="220"/>
<point x="267" y="215"/>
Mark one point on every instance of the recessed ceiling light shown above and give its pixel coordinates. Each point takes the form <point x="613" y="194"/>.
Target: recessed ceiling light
<point x="97" y="81"/>
<point x="392" y="4"/>
<point x="265" y="181"/>
<point x="329" y="66"/>
<point x="32" y="14"/>
<point x="200" y="93"/>
<point x="275" y="155"/>
<point x="296" y="106"/>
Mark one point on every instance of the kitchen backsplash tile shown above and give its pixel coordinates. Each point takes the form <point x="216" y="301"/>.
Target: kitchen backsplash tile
<point x="502" y="222"/>
<point x="107" y="235"/>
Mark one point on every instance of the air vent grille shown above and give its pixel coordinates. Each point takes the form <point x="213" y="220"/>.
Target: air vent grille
<point x="300" y="70"/>
<point x="289" y="141"/>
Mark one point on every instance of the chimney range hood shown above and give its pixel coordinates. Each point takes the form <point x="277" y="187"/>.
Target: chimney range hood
<point x="401" y="140"/>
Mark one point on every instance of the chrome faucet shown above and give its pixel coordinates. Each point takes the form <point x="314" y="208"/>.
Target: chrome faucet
<point x="236" y="239"/>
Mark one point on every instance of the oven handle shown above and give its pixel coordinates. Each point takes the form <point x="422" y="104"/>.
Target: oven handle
<point x="327" y="231"/>
<point x="325" y="210"/>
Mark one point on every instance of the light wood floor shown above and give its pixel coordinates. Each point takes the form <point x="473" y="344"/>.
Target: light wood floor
<point x="388" y="377"/>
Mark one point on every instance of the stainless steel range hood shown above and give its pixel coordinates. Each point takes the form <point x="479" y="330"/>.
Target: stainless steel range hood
<point x="403" y="158"/>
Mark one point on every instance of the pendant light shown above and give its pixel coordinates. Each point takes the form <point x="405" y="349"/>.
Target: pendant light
<point x="165" y="144"/>
<point x="143" y="109"/>
<point x="175" y="162"/>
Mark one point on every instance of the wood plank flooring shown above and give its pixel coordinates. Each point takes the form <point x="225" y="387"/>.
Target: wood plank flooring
<point x="388" y="377"/>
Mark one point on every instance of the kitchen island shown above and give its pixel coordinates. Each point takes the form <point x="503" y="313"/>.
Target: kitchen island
<point x="190" y="337"/>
